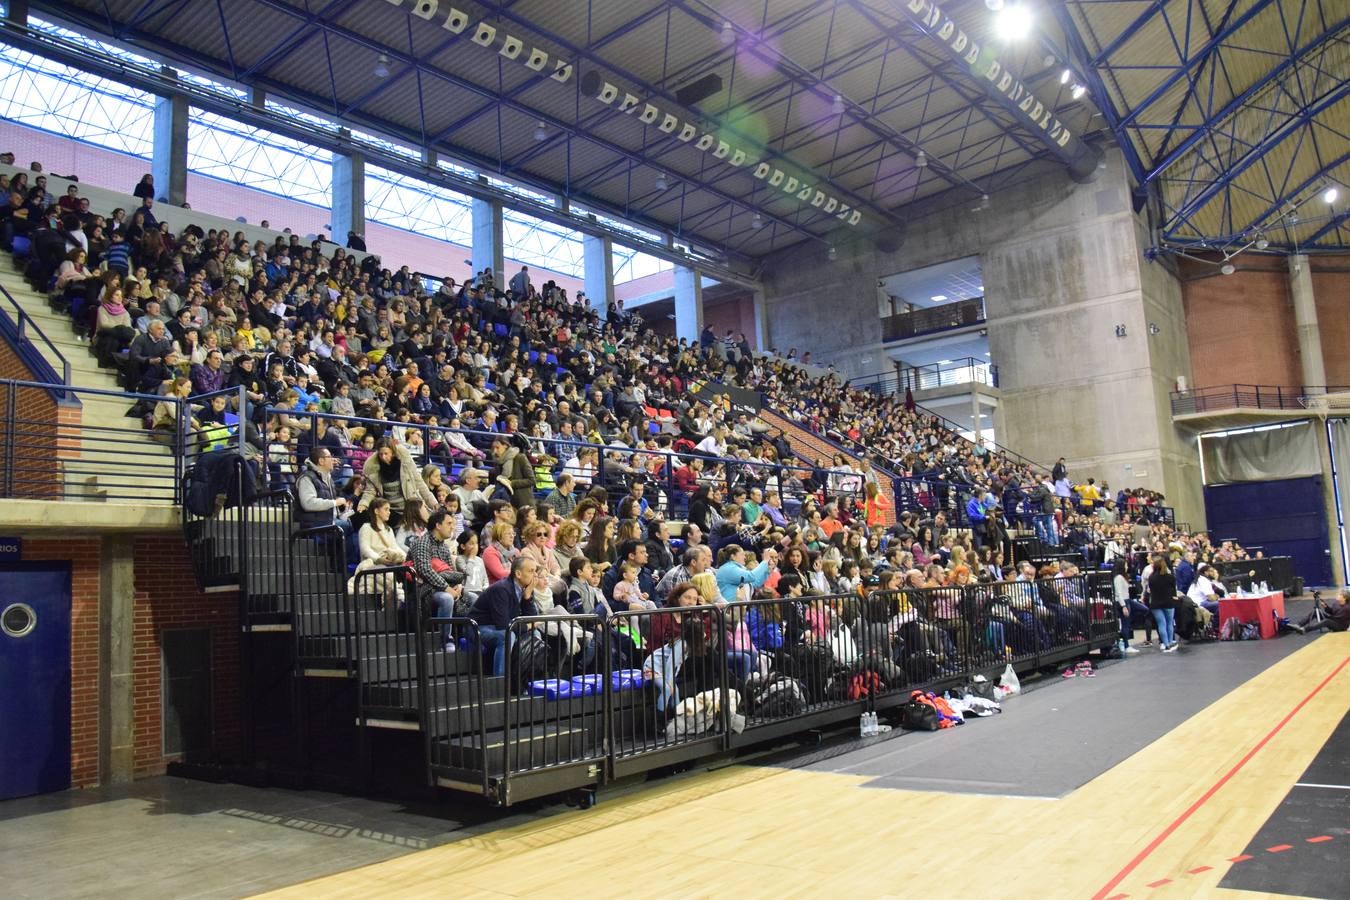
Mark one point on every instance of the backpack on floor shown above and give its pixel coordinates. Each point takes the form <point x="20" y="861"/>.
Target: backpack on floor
<point x="1231" y="630"/>
<point x="1251" y="631"/>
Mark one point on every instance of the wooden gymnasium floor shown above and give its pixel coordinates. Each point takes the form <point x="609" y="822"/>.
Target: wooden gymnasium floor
<point x="1168" y="820"/>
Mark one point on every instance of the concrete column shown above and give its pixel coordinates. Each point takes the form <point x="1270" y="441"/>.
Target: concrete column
<point x="975" y="411"/>
<point x="1338" y="573"/>
<point x="762" y="342"/>
<point x="349" y="195"/>
<point x="1305" y="321"/>
<point x="688" y="304"/>
<point x="599" y="271"/>
<point x="169" y="162"/>
<point x="116" y="622"/>
<point x="487" y="247"/>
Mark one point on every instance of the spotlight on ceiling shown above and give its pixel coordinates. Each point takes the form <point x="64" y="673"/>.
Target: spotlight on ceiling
<point x="830" y="254"/>
<point x="382" y="66"/>
<point x="921" y="160"/>
<point x="540" y="132"/>
<point x="1227" y="268"/>
<point x="984" y="202"/>
<point x="661" y="182"/>
<point x="838" y="106"/>
<point x="1013" y="22"/>
<point x="1078" y="91"/>
<point x="1065" y="76"/>
<point x="1261" y="242"/>
<point x="1330" y="194"/>
<point x="757" y="221"/>
<point x="728" y="34"/>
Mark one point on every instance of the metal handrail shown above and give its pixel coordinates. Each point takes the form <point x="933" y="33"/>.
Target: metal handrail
<point x="26" y="322"/>
<point x="960" y="314"/>
<point x="1248" y="396"/>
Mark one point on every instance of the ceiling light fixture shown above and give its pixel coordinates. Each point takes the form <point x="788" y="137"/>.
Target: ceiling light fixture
<point x="984" y="201"/>
<point x="1065" y="76"/>
<point x="994" y="5"/>
<point x="831" y="255"/>
<point x="661" y="182"/>
<point x="1262" y="243"/>
<point x="728" y="34"/>
<point x="838" y="106"/>
<point x="1014" y="22"/>
<point x="1078" y="91"/>
<point x="382" y="67"/>
<point x="938" y="298"/>
<point x="921" y="160"/>
<point x="540" y="132"/>
<point x="1227" y="268"/>
<point x="757" y="221"/>
<point x="1330" y="195"/>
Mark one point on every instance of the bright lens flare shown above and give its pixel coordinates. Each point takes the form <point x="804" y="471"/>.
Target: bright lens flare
<point x="1013" y="22"/>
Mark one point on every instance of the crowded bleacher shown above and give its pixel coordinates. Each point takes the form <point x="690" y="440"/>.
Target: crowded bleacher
<point x="471" y="425"/>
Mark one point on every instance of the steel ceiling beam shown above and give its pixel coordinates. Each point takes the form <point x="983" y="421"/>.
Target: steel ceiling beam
<point x="1238" y="102"/>
<point x="1333" y="224"/>
<point x="471" y="87"/>
<point x="1256" y="153"/>
<point x="1130" y="31"/>
<point x="301" y="35"/>
<point x="581" y="53"/>
<point x="1188" y="63"/>
<point x="82" y="58"/>
<point x="1078" y="157"/>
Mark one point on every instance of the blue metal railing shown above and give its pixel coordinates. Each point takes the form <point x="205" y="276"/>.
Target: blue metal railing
<point x="22" y="324"/>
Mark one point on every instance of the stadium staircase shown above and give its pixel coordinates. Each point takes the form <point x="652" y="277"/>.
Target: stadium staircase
<point x="332" y="682"/>
<point x="99" y="470"/>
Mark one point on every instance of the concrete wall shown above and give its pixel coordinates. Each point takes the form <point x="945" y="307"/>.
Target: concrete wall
<point x="1062" y="266"/>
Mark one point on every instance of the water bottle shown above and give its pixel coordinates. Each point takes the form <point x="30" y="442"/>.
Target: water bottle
<point x="862" y="725"/>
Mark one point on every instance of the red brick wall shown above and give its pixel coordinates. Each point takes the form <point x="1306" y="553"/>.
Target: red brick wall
<point x="1241" y="329"/>
<point x="166" y="598"/>
<point x="1331" y="288"/>
<point x="84" y="555"/>
<point x="35" y="458"/>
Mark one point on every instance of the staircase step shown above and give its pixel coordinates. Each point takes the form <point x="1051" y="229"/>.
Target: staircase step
<point x="538" y="742"/>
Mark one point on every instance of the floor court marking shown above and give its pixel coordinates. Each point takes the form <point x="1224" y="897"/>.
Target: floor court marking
<point x="1330" y="787"/>
<point x="1214" y="789"/>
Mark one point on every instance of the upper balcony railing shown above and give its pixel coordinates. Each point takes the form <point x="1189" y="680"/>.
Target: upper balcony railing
<point x="1247" y="396"/>
<point x="966" y="370"/>
<point x="938" y="318"/>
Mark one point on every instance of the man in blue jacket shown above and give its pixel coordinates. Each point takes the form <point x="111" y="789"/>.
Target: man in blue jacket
<point x="1185" y="572"/>
<point x="975" y="512"/>
<point x="500" y="604"/>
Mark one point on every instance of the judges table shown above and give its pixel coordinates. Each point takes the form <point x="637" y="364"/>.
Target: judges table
<point x="1261" y="609"/>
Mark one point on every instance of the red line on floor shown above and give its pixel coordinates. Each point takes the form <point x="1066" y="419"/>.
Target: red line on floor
<point x="1237" y="859"/>
<point x="1117" y="897"/>
<point x="1159" y="883"/>
<point x="1279" y="848"/>
<point x="1198" y="869"/>
<point x="1214" y="789"/>
<point x="1320" y="839"/>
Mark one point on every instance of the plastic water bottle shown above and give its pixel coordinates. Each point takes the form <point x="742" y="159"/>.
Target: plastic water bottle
<point x="862" y="725"/>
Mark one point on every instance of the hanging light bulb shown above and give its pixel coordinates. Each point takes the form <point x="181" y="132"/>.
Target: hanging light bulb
<point x="830" y="254"/>
<point x="728" y="34"/>
<point x="1261" y="242"/>
<point x="1227" y="268"/>
<point x="1329" y="196"/>
<point x="984" y="201"/>
<point x="661" y="182"/>
<point x="1065" y="76"/>
<point x="757" y="221"/>
<point x="838" y="105"/>
<point x="540" y="132"/>
<point x="921" y="160"/>
<point x="1013" y="22"/>
<point x="382" y="66"/>
<point x="1078" y="91"/>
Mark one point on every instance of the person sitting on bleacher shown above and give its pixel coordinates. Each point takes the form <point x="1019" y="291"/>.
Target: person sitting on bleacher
<point x="500" y="605"/>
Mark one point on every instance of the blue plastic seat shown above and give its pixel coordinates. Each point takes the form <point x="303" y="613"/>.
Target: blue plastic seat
<point x="500" y="330"/>
<point x="533" y="356"/>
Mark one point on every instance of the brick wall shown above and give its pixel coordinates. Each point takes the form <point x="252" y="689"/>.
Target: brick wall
<point x="35" y="471"/>
<point x="813" y="447"/>
<point x="166" y="597"/>
<point x="1241" y="330"/>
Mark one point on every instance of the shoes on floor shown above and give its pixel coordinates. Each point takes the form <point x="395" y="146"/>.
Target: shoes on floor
<point x="1294" y="626"/>
<point x="1131" y="650"/>
<point x="1070" y="673"/>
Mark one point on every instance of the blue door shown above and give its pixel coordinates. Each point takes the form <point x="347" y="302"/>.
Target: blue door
<point x="34" y="678"/>
<point x="1285" y="518"/>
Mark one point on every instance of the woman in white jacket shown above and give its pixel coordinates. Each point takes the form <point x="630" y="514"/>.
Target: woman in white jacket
<point x="379" y="548"/>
